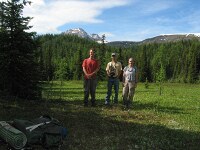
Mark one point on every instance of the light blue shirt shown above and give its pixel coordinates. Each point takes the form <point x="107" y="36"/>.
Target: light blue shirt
<point x="130" y="73"/>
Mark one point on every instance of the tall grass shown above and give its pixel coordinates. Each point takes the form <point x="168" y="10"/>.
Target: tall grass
<point x="167" y="121"/>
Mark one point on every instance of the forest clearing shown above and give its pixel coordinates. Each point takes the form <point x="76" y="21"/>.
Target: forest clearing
<point x="167" y="121"/>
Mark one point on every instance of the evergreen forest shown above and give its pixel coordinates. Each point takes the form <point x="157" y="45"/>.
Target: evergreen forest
<point x="61" y="56"/>
<point x="27" y="58"/>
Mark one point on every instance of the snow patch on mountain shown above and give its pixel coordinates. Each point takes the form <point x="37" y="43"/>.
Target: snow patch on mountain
<point x="182" y="34"/>
<point x="77" y="31"/>
<point x="83" y="34"/>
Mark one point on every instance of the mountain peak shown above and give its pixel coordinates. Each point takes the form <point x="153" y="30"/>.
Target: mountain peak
<point x="83" y="34"/>
<point x="77" y="31"/>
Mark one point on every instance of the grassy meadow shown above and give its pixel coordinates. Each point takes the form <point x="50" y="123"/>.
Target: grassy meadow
<point x="167" y="121"/>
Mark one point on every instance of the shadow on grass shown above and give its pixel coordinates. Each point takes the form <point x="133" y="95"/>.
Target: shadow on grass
<point x="63" y="88"/>
<point x="89" y="129"/>
<point x="155" y="106"/>
<point x="65" y="93"/>
<point x="135" y="106"/>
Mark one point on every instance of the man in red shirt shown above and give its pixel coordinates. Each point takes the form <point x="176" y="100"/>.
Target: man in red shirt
<point x="90" y="69"/>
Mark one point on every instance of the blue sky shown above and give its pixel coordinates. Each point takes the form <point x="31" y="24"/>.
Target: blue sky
<point x="119" y="20"/>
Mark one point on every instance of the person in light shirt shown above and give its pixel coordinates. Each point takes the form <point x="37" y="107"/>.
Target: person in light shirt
<point x="130" y="80"/>
<point x="113" y="70"/>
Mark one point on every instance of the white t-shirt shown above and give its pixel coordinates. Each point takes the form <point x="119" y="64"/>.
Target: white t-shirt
<point x="130" y="73"/>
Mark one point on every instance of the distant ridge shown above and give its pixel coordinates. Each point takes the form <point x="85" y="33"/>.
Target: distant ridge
<point x="171" y="38"/>
<point x="124" y="44"/>
<point x="157" y="39"/>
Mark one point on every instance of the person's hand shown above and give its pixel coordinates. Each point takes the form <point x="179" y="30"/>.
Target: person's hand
<point x="108" y="73"/>
<point x="89" y="76"/>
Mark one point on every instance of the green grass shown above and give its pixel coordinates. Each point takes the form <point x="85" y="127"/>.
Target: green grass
<point x="169" y="121"/>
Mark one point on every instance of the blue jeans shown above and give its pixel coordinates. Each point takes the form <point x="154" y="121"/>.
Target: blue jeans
<point x="111" y="82"/>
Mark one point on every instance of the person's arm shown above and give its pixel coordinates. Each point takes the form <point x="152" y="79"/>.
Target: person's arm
<point x="84" y="69"/>
<point x="85" y="72"/>
<point x="123" y="79"/>
<point x="120" y="70"/>
<point x="124" y="76"/>
<point x="107" y="70"/>
<point x="95" y="72"/>
<point x="83" y="66"/>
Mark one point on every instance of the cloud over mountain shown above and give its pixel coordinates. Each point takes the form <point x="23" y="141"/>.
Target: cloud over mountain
<point x="49" y="15"/>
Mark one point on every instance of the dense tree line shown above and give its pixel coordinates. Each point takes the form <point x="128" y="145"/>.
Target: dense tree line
<point x="180" y="61"/>
<point x="175" y="61"/>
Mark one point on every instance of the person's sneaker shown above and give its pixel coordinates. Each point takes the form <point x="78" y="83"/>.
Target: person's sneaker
<point x="107" y="103"/>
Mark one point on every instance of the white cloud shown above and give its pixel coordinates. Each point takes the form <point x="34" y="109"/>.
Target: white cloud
<point x="48" y="16"/>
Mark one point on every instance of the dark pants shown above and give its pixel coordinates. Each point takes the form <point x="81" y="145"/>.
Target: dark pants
<point x="111" y="82"/>
<point x="89" y="88"/>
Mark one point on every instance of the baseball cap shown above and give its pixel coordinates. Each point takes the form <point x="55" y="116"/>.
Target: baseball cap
<point x="113" y="54"/>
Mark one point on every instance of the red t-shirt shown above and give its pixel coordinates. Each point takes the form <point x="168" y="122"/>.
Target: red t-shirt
<point x="90" y="66"/>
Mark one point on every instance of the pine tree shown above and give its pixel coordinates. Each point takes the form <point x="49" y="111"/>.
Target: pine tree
<point x="3" y="49"/>
<point x="144" y="71"/>
<point x="78" y="66"/>
<point x="101" y="58"/>
<point x="18" y="62"/>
